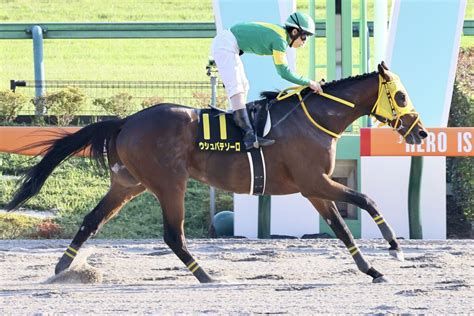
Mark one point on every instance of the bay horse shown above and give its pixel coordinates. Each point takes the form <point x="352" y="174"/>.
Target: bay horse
<point x="156" y="150"/>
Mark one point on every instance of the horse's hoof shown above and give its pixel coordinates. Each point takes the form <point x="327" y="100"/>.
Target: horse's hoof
<point x="398" y="254"/>
<point x="63" y="264"/>
<point x="59" y="268"/>
<point x="382" y="279"/>
<point x="214" y="280"/>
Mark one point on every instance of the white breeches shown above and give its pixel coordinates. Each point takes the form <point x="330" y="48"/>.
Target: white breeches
<point x="231" y="70"/>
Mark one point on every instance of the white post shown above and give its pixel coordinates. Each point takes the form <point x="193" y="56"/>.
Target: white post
<point x="37" y="34"/>
<point x="212" y="73"/>
<point x="380" y="29"/>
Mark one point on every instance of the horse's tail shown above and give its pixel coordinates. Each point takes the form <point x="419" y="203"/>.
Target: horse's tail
<point x="96" y="135"/>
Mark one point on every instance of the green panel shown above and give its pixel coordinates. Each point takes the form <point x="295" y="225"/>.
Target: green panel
<point x="110" y="30"/>
<point x="153" y="30"/>
<point x="348" y="148"/>
<point x="346" y="13"/>
<point x="363" y="38"/>
<point x="312" y="46"/>
<point x="468" y="29"/>
<point x="414" y="191"/>
<point x="264" y="216"/>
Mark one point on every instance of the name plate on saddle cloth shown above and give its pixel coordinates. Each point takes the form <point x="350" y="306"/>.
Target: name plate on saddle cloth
<point x="217" y="132"/>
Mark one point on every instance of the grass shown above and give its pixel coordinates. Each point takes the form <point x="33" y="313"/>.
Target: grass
<point x="13" y="226"/>
<point x="127" y="59"/>
<point x="77" y="186"/>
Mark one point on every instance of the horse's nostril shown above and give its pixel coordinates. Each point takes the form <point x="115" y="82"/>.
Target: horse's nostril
<point x="423" y="134"/>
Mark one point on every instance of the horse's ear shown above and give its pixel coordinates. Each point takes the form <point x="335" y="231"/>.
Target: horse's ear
<point x="383" y="72"/>
<point x="384" y="65"/>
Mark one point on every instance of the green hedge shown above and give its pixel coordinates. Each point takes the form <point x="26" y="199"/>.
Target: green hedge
<point x="460" y="169"/>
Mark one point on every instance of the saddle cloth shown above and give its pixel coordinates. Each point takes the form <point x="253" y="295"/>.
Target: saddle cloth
<point x="218" y="132"/>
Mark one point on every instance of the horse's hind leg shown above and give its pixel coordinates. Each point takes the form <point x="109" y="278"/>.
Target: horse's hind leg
<point x="117" y="196"/>
<point x="331" y="215"/>
<point x="335" y="191"/>
<point x="172" y="203"/>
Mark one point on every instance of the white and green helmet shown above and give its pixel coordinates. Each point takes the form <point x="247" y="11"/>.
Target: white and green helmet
<point x="301" y="21"/>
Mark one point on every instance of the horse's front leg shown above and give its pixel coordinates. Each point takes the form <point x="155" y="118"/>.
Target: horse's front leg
<point x="335" y="191"/>
<point x="331" y="215"/>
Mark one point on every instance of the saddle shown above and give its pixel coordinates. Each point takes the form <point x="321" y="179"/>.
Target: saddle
<point x="218" y="132"/>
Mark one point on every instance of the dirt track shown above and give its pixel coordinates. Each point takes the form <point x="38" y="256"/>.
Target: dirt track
<point x="272" y="276"/>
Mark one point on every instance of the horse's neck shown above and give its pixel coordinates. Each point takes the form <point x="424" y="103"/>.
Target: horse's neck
<point x="362" y="93"/>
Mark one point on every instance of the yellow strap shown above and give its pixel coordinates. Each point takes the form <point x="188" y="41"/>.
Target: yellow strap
<point x="288" y="92"/>
<point x="291" y="91"/>
<point x="380" y="221"/>
<point x="412" y="126"/>
<point x="342" y="101"/>
<point x="223" y="126"/>
<point x="355" y="252"/>
<point x="69" y="255"/>
<point x="206" y="126"/>
<point x="314" y="122"/>
<point x="191" y="265"/>
<point x="376" y="218"/>
<point x="72" y="249"/>
<point x="195" y="268"/>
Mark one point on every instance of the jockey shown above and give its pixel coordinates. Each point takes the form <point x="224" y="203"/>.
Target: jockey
<point x="261" y="39"/>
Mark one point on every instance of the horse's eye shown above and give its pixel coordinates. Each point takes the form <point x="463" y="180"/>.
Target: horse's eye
<point x="400" y="99"/>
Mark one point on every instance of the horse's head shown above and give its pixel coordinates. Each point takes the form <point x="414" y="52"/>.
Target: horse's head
<point x="394" y="107"/>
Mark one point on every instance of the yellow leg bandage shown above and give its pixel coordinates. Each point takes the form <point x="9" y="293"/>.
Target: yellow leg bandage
<point x="379" y="219"/>
<point x="353" y="250"/>
<point x="70" y="252"/>
<point x="193" y="266"/>
<point x="69" y="255"/>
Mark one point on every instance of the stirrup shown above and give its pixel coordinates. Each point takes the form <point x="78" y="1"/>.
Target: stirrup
<point x="250" y="143"/>
<point x="264" y="141"/>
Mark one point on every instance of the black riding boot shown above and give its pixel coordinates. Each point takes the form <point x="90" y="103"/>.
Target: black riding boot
<point x="241" y="118"/>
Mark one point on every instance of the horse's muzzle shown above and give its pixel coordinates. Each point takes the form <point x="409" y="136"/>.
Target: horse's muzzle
<point x="423" y="134"/>
<point x="417" y="135"/>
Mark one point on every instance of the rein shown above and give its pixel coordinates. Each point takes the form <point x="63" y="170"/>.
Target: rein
<point x="297" y="91"/>
<point x="378" y="110"/>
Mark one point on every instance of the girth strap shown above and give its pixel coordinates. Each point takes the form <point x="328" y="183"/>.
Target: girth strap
<point x="258" y="177"/>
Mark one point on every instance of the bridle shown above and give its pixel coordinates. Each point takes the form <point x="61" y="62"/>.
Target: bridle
<point x="386" y="110"/>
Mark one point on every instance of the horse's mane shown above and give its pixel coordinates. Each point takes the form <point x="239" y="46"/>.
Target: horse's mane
<point x="270" y="95"/>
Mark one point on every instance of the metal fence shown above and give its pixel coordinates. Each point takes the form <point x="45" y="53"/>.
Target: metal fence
<point x="190" y="93"/>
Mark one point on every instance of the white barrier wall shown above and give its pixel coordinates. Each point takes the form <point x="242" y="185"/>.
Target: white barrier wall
<point x="385" y="180"/>
<point x="424" y="55"/>
<point x="291" y="214"/>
